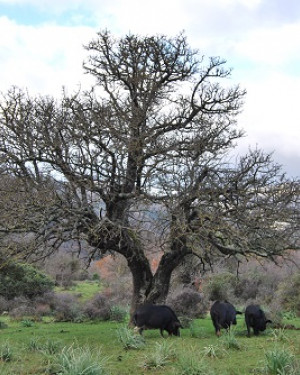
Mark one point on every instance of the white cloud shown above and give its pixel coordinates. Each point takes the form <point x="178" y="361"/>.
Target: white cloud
<point x="272" y="46"/>
<point x="272" y="120"/>
<point x="43" y="58"/>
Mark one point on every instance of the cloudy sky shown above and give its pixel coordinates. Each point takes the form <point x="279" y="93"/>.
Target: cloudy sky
<point x="41" y="50"/>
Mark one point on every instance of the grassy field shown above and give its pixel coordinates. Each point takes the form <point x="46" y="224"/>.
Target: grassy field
<point x="84" y="289"/>
<point x="34" y="348"/>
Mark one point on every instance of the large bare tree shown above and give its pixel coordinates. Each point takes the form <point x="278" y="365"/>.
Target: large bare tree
<point x="149" y="142"/>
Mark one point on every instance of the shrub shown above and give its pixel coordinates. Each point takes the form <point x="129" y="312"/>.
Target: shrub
<point x="118" y="313"/>
<point x="98" y="308"/>
<point x="20" y="307"/>
<point x="3" y="305"/>
<point x="188" y="303"/>
<point x="66" y="308"/>
<point x="220" y="286"/>
<point x="289" y="294"/>
<point x="22" y="279"/>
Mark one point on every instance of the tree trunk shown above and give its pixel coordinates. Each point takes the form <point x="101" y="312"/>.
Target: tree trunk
<point x="152" y="288"/>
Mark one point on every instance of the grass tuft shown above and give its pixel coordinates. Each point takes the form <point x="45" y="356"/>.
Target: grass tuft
<point x="190" y="364"/>
<point x="27" y="323"/>
<point x="162" y="355"/>
<point x="229" y="340"/>
<point x="129" y="339"/>
<point x="280" y="362"/>
<point x="213" y="351"/>
<point x="279" y="334"/>
<point x="6" y="352"/>
<point x="80" y="361"/>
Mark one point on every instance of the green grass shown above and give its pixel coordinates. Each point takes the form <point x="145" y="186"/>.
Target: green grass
<point x="31" y="354"/>
<point x="85" y="289"/>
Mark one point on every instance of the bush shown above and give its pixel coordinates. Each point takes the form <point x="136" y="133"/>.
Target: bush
<point x="118" y="313"/>
<point x="289" y="294"/>
<point x="188" y="303"/>
<point x="220" y="286"/>
<point x="3" y="305"/>
<point x="98" y="308"/>
<point x="18" y="279"/>
<point x="66" y="308"/>
<point x="20" y="307"/>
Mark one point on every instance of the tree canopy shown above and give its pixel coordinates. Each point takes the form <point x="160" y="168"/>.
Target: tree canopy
<point x="146" y="149"/>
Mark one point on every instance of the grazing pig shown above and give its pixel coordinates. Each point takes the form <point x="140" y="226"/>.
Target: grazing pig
<point x="160" y="317"/>
<point x="223" y="315"/>
<point x="255" y="318"/>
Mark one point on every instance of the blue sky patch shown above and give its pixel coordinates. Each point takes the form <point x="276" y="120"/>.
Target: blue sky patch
<point x="32" y="16"/>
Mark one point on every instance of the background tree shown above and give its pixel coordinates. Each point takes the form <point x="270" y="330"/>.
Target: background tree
<point x="18" y="279"/>
<point x="149" y="143"/>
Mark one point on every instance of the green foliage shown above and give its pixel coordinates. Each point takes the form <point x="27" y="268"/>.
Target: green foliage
<point x="213" y="351"/>
<point x="27" y="323"/>
<point x="289" y="294"/>
<point x="48" y="347"/>
<point x="229" y="340"/>
<point x="189" y="363"/>
<point x="3" y="325"/>
<point x="196" y="330"/>
<point x="129" y="339"/>
<point x="85" y="290"/>
<point x="6" y="352"/>
<point x="34" y="344"/>
<point x="279" y="334"/>
<point x="80" y="361"/>
<point x="162" y="355"/>
<point x="219" y="286"/>
<point x="118" y="313"/>
<point x="18" y="279"/>
<point x="288" y="315"/>
<point x="280" y="361"/>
